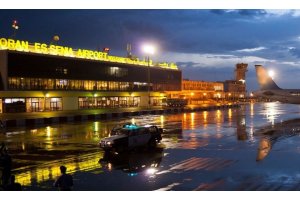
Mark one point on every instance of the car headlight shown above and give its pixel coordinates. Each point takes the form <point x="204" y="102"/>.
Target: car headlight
<point x="108" y="143"/>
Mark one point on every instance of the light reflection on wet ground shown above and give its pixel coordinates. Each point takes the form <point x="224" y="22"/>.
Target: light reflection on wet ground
<point x="255" y="147"/>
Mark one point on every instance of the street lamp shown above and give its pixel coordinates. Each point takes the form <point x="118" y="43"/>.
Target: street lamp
<point x="15" y="26"/>
<point x="149" y="50"/>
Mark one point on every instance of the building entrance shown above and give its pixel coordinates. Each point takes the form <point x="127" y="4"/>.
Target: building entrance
<point x="53" y="106"/>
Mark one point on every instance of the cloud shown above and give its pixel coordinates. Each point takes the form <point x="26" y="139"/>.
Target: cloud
<point x="296" y="64"/>
<point x="252" y="49"/>
<point x="194" y="39"/>
<point x="241" y="12"/>
<point x="211" y="60"/>
<point x="282" y="12"/>
<point x="278" y="12"/>
<point x="295" y="51"/>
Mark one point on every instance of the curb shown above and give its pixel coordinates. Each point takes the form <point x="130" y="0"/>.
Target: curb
<point x="106" y="116"/>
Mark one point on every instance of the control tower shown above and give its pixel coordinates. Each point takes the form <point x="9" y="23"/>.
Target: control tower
<point x="236" y="88"/>
<point x="240" y="72"/>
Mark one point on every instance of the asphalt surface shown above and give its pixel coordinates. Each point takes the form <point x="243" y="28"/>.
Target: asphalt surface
<point x="254" y="147"/>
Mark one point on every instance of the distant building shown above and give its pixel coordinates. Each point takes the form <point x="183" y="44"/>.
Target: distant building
<point x="237" y="88"/>
<point x="199" y="91"/>
<point x="234" y="89"/>
<point x="240" y="72"/>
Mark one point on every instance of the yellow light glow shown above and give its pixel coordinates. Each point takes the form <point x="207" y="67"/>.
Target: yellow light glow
<point x="33" y="131"/>
<point x="96" y="126"/>
<point x="23" y="146"/>
<point x="48" y="131"/>
<point x="133" y="121"/>
<point x="229" y="113"/>
<point x="162" y="120"/>
<point x="109" y="166"/>
<point x="44" y="172"/>
<point x="205" y="115"/>
<point x="192" y="121"/>
<point x="218" y="114"/>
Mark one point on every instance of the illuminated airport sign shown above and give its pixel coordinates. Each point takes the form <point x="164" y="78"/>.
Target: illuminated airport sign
<point x="50" y="49"/>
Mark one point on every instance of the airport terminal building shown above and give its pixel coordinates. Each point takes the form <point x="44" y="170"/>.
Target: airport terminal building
<point x="37" y="77"/>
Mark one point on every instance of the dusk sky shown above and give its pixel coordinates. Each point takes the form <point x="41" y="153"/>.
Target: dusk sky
<point x="205" y="44"/>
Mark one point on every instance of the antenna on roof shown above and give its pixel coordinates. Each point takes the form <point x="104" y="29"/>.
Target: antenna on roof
<point x="129" y="50"/>
<point x="129" y="54"/>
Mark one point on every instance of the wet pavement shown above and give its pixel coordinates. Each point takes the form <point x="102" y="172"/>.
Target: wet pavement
<point x="255" y="147"/>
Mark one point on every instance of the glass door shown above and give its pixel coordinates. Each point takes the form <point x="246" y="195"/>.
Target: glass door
<point x="35" y="106"/>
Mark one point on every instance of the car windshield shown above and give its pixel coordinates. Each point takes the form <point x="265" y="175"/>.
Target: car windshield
<point x="120" y="131"/>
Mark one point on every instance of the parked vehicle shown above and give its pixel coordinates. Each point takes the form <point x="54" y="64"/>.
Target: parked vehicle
<point x="131" y="136"/>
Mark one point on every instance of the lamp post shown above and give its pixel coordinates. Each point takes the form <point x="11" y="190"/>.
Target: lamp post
<point x="15" y="26"/>
<point x="149" y="50"/>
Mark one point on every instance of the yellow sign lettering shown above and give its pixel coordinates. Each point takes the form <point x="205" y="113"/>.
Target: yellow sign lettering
<point x="3" y="43"/>
<point x="25" y="45"/>
<point x="52" y="50"/>
<point x="79" y="53"/>
<point x="20" y="45"/>
<point x="11" y="44"/>
<point x="60" y="50"/>
<point x="37" y="47"/>
<point x="68" y="51"/>
<point x="44" y="48"/>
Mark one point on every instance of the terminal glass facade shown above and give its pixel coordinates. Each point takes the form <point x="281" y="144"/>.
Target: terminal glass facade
<point x="53" y="83"/>
<point x="40" y="72"/>
<point x="20" y="83"/>
<point x="108" y="102"/>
